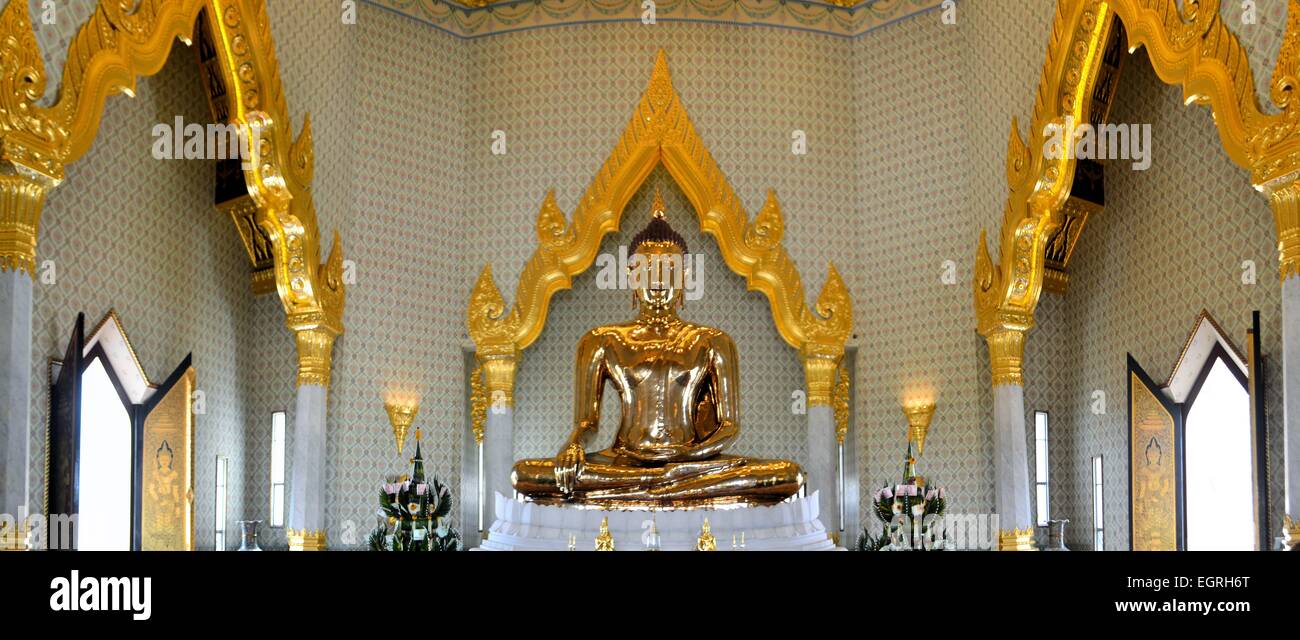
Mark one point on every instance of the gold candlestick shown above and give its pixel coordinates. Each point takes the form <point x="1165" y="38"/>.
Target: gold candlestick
<point x="401" y="414"/>
<point x="918" y="422"/>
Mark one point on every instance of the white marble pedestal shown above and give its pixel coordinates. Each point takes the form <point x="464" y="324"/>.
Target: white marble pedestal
<point x="527" y="526"/>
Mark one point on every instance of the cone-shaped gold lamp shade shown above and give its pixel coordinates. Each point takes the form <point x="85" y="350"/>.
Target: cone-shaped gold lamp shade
<point x="918" y="423"/>
<point x="401" y="415"/>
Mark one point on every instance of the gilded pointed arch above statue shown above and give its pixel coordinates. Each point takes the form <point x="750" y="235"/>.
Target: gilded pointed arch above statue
<point x="109" y="51"/>
<point x="661" y="132"/>
<point x="1194" y="50"/>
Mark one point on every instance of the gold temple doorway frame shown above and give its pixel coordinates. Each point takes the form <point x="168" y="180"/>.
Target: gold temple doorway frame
<point x="1194" y="50"/>
<point x="109" y="51"/>
<point x="660" y="132"/>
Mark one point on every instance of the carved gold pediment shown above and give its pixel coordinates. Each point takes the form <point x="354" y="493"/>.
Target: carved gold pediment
<point x="1193" y="49"/>
<point x="122" y="40"/>
<point x="661" y="132"/>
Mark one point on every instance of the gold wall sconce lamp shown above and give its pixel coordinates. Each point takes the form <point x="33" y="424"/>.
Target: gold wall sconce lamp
<point x="401" y="413"/>
<point x="918" y="414"/>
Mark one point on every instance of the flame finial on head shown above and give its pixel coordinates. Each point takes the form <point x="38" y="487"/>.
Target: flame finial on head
<point x="657" y="209"/>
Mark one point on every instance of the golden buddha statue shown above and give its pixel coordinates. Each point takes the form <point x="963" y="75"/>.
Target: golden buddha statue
<point x="678" y="386"/>
<point x="604" y="540"/>
<point x="706" y="541"/>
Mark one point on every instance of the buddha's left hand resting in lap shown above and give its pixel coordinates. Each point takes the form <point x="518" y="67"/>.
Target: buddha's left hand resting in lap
<point x="677" y="384"/>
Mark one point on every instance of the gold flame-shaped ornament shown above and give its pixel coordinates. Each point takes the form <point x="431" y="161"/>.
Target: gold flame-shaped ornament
<point x="401" y="415"/>
<point x="918" y="423"/>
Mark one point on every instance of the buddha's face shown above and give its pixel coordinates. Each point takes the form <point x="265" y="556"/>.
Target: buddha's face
<point x="657" y="275"/>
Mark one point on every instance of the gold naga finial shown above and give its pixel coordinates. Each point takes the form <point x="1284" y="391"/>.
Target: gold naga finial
<point x="604" y="540"/>
<point x="706" y="541"/>
<point x="657" y="208"/>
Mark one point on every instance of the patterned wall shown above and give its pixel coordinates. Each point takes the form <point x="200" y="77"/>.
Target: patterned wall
<point x="562" y="119"/>
<point x="916" y="332"/>
<point x="1079" y="344"/>
<point x="1157" y="270"/>
<point x="405" y="311"/>
<point x="140" y="235"/>
<point x="906" y="135"/>
<point x="506" y="16"/>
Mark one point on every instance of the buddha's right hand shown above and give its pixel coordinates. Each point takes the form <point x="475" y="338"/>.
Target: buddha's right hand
<point x="568" y="464"/>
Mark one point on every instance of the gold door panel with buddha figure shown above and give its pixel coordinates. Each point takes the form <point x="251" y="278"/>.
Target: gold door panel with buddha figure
<point x="167" y="466"/>
<point x="1154" y="476"/>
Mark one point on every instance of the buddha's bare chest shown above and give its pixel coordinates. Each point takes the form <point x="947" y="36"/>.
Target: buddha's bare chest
<point x="653" y="369"/>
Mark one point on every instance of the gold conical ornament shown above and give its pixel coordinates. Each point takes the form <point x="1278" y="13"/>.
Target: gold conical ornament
<point x="918" y="423"/>
<point x="401" y="414"/>
<point x="604" y="541"/>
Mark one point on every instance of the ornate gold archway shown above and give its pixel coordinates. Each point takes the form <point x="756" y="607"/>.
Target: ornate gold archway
<point x="660" y="131"/>
<point x="1195" y="50"/>
<point x="109" y="51"/>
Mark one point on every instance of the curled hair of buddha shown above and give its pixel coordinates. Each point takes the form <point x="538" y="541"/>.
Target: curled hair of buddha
<point x="658" y="231"/>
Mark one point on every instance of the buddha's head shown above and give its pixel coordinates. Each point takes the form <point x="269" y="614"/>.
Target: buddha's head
<point x="657" y="263"/>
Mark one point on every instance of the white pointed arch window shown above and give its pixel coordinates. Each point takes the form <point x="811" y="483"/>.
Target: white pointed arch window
<point x="1198" y="447"/>
<point x="120" y="447"/>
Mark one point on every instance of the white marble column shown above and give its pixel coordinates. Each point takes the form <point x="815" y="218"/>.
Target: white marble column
<point x="1291" y="395"/>
<point x="1284" y="198"/>
<point x="499" y="368"/>
<point x="15" y="386"/>
<point x="498" y="456"/>
<point x="305" y="526"/>
<point x="307" y="484"/>
<point x="823" y="464"/>
<point x="1010" y="450"/>
<point x="22" y="195"/>
<point x="1011" y="458"/>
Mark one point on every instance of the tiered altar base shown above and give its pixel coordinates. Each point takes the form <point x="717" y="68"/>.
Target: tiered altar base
<point x="528" y="526"/>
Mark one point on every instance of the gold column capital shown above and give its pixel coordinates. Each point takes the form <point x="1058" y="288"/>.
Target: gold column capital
<point x="1016" y="540"/>
<point x="1284" y="198"/>
<point x="315" y="353"/>
<point x="499" y="366"/>
<point x="820" y="368"/>
<point x="304" y="540"/>
<point x="1291" y="532"/>
<point x="21" y="200"/>
<point x="1007" y="355"/>
<point x="14" y="537"/>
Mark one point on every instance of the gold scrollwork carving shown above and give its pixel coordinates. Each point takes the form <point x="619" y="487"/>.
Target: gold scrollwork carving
<point x="1285" y="201"/>
<point x="1194" y="49"/>
<point x="478" y="403"/>
<point x="661" y="132"/>
<point x="105" y="56"/>
<point x="841" y="405"/>
<point x="279" y="171"/>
